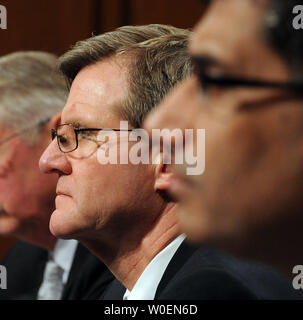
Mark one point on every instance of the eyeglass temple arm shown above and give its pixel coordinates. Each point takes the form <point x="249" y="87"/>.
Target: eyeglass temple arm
<point x="226" y="82"/>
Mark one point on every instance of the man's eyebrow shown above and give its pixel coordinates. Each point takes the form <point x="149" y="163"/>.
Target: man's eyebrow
<point x="206" y="2"/>
<point x="202" y="63"/>
<point x="74" y="123"/>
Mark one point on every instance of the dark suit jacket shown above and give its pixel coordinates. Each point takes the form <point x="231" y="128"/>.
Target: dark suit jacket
<point x="207" y="274"/>
<point x="25" y="265"/>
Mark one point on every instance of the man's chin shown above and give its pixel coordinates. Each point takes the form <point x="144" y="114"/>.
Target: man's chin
<point x="62" y="225"/>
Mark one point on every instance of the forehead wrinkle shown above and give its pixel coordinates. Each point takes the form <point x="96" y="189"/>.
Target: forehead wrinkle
<point x="92" y="116"/>
<point x="69" y="117"/>
<point x="97" y="91"/>
<point x="86" y="121"/>
<point x="108" y="75"/>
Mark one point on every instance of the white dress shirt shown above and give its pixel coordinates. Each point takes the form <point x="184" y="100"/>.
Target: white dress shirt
<point x="146" y="286"/>
<point x="63" y="254"/>
<point x="57" y="270"/>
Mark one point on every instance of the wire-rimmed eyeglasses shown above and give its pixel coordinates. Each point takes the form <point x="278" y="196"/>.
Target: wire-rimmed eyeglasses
<point x="68" y="136"/>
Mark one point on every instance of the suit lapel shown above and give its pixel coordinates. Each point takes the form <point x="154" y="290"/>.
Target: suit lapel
<point x="184" y="252"/>
<point x="115" y="291"/>
<point x="40" y="273"/>
<point x="79" y="257"/>
<point x="88" y="277"/>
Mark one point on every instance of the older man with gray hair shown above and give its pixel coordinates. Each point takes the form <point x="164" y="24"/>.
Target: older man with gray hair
<point x="32" y="95"/>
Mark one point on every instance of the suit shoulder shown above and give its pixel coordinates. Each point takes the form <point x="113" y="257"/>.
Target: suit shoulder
<point x="214" y="274"/>
<point x="23" y="253"/>
<point x="207" y="284"/>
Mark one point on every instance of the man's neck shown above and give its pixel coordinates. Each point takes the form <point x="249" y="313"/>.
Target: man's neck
<point x="128" y="260"/>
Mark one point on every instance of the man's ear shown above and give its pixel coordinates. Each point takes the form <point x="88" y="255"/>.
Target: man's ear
<point x="163" y="174"/>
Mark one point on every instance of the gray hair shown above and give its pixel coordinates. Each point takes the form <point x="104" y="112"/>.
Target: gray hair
<point x="31" y="91"/>
<point x="159" y="61"/>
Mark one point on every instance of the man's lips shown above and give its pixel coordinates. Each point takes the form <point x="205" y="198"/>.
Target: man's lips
<point x="61" y="193"/>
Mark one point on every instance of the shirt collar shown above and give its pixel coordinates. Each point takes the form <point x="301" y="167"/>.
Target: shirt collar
<point x="63" y="255"/>
<point x="146" y="286"/>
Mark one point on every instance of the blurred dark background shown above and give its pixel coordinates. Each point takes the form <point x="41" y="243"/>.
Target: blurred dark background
<point x="55" y="25"/>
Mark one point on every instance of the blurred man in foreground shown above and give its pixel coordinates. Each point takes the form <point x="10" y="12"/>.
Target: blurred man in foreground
<point x="38" y="267"/>
<point x="247" y="94"/>
<point x="120" y="209"/>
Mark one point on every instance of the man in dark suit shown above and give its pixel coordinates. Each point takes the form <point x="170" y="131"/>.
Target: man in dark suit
<point x="247" y="94"/>
<point x="42" y="267"/>
<point x="207" y="274"/>
<point x="26" y="263"/>
<point x="120" y="208"/>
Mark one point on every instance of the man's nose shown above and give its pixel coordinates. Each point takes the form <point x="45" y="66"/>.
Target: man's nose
<point x="54" y="161"/>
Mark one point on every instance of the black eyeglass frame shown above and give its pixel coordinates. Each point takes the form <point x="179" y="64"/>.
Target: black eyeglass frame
<point x="77" y="130"/>
<point x="200" y="69"/>
<point x="206" y="81"/>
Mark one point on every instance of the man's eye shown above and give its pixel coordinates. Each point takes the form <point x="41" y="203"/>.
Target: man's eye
<point x="200" y="66"/>
<point x="203" y="82"/>
<point x="203" y="79"/>
<point x="62" y="139"/>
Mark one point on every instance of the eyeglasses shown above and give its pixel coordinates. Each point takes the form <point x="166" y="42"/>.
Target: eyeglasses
<point x="207" y="81"/>
<point x="213" y="103"/>
<point x="202" y="63"/>
<point x="68" y="138"/>
<point x="41" y="123"/>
